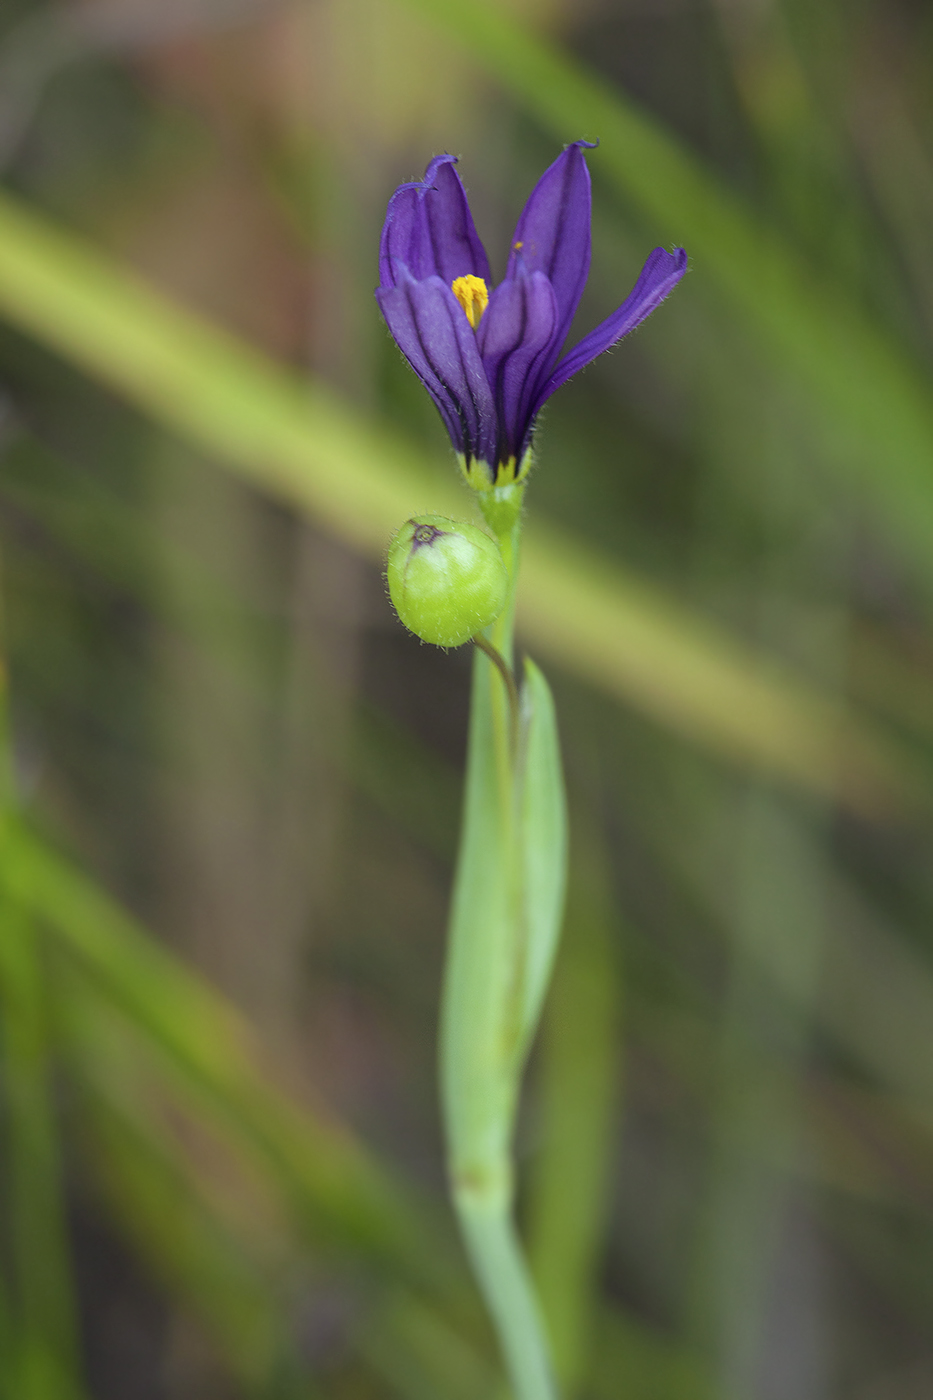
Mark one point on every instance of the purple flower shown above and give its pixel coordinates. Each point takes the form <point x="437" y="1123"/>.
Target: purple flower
<point x="491" y="358"/>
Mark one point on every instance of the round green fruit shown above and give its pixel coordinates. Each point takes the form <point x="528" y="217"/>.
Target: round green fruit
<point x="447" y="580"/>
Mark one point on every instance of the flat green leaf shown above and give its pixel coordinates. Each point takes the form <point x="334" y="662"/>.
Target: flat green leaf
<point x="478" y="1078"/>
<point x="543" y="846"/>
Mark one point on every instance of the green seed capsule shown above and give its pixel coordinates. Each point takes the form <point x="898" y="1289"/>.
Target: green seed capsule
<point x="447" y="579"/>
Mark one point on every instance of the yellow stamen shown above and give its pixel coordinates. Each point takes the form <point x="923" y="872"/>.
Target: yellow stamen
<point x="472" y="295"/>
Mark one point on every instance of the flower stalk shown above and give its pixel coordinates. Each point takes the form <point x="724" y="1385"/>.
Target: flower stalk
<point x="490" y="357"/>
<point x="508" y="677"/>
<point x="482" y="1038"/>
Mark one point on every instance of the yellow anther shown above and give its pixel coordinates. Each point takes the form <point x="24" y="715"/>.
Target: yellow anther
<point x="472" y="295"/>
<point x="517" y="246"/>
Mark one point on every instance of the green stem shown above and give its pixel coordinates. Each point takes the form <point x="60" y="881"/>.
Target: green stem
<point x="480" y="1036"/>
<point x="499" y="1265"/>
<point x="508" y="676"/>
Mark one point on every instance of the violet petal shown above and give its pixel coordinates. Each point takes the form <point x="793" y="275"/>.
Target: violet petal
<point x="658" y="277"/>
<point x="553" y="233"/>
<point x="437" y="340"/>
<point x="429" y="228"/>
<point x="516" y="340"/>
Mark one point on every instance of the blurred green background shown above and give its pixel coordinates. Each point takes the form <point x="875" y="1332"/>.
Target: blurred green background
<point x="230" y="795"/>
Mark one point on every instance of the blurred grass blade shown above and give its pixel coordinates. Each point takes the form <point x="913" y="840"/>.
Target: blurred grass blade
<point x="326" y="1171"/>
<point x="299" y="442"/>
<point x="626" y="637"/>
<point x="178" y="1235"/>
<point x="632" y="1359"/>
<point x="543" y="837"/>
<point x="184" y="1185"/>
<point x="568" y="1196"/>
<point x="416" y="1351"/>
<point x="172" y="1189"/>
<point x="875" y="997"/>
<point x="874" y="414"/>
<point x="43" y="1361"/>
<point x="8" y="1377"/>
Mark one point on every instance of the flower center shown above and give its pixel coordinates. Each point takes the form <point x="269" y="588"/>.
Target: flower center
<point x="472" y="295"/>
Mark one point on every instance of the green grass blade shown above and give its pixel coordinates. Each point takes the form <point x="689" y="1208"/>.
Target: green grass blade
<point x="290" y="436"/>
<point x="423" y="1356"/>
<point x="229" y="1247"/>
<point x="44" y="1356"/>
<point x="629" y="1358"/>
<point x="324" y="1167"/>
<point x="627" y="638"/>
<point x="568" y="1203"/>
<point x="193" y="1252"/>
<point x="299" y="442"/>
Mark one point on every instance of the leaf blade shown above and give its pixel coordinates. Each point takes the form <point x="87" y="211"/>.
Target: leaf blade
<point x="543" y="846"/>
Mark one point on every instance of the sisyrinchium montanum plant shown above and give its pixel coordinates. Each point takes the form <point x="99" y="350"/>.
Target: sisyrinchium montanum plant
<point x="490" y="357"/>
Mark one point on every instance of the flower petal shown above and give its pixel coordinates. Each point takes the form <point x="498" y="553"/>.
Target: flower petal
<point x="658" y="277"/>
<point x="553" y="233"/>
<point x="438" y="342"/>
<point x="516" y="340"/>
<point x="430" y="230"/>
